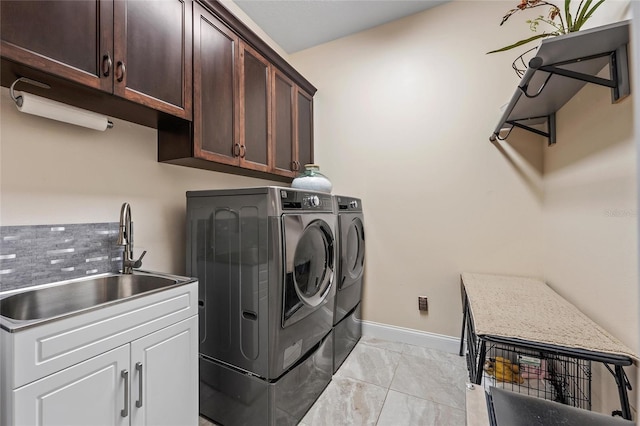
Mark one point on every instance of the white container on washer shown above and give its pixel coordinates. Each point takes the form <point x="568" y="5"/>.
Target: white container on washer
<point x="312" y="179"/>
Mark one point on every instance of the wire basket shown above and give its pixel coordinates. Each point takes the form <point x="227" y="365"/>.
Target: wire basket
<point x="545" y="375"/>
<point x="521" y="63"/>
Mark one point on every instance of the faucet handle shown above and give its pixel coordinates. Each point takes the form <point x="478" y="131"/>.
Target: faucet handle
<point x="138" y="263"/>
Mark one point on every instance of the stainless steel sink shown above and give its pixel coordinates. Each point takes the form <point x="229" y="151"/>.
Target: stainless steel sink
<point x="79" y="295"/>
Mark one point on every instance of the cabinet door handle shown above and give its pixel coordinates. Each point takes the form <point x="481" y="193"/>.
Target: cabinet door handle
<point x="120" y="70"/>
<point x="107" y="63"/>
<point x="125" y="375"/>
<point x="236" y="149"/>
<point x="243" y="151"/>
<point x="139" y="370"/>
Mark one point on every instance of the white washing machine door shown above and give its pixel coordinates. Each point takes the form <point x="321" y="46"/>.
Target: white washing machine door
<point x="309" y="246"/>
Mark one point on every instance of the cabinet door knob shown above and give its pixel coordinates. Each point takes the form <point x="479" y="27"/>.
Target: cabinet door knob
<point x="125" y="375"/>
<point x="139" y="370"/>
<point x="243" y="151"/>
<point x="120" y="70"/>
<point x="107" y="63"/>
<point x="236" y="149"/>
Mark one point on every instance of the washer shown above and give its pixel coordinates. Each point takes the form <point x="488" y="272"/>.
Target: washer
<point x="265" y="259"/>
<point x="351" y="249"/>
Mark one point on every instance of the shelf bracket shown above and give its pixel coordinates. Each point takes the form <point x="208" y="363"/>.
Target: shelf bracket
<point x="618" y="70"/>
<point x="579" y="57"/>
<point x="550" y="134"/>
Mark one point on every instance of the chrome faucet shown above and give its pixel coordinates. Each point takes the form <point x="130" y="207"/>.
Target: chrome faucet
<point x="125" y="238"/>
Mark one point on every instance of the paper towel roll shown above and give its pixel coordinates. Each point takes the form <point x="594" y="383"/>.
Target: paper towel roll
<point x="36" y="105"/>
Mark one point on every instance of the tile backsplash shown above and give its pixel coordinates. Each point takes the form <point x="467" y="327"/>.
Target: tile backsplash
<point x="32" y="255"/>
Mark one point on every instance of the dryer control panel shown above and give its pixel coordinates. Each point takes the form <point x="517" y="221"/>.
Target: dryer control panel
<point x="348" y="203"/>
<point x="305" y="200"/>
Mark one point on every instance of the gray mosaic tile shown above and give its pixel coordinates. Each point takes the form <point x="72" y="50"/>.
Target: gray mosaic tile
<point x="32" y="255"/>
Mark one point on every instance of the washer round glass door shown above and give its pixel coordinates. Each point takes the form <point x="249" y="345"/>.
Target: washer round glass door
<point x="313" y="263"/>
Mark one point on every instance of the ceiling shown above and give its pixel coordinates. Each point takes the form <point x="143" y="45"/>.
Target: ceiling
<point x="299" y="24"/>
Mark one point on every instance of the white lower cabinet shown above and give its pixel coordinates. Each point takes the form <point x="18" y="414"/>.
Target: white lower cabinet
<point x="151" y="381"/>
<point x="89" y="393"/>
<point x="165" y="376"/>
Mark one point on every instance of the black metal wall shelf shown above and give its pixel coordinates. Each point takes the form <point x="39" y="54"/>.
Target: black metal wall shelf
<point x="561" y="67"/>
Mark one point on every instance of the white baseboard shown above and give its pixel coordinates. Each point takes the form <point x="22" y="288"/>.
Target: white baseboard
<point x="411" y="337"/>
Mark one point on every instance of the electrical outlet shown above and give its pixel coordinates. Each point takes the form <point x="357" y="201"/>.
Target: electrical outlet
<point x="423" y="304"/>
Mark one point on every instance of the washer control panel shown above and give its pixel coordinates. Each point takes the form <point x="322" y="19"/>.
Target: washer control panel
<point x="305" y="200"/>
<point x="313" y="200"/>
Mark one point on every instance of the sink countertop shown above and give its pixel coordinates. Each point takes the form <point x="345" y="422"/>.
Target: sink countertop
<point x="14" y="325"/>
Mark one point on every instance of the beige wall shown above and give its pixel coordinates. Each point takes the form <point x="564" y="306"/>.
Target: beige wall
<point x="53" y="172"/>
<point x="590" y="219"/>
<point x="403" y="113"/>
<point x="57" y="173"/>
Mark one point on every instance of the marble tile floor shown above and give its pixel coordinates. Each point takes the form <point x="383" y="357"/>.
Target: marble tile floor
<point x="391" y="383"/>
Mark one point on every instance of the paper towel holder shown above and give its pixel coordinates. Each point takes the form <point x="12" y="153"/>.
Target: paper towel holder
<point x="18" y="99"/>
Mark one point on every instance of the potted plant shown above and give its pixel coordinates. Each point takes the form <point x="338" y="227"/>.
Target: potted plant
<point x="556" y="22"/>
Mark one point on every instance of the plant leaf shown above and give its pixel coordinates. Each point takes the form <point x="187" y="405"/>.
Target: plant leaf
<point x="567" y="13"/>
<point x="593" y="9"/>
<point x="581" y="19"/>
<point x="525" y="41"/>
<point x="578" y="12"/>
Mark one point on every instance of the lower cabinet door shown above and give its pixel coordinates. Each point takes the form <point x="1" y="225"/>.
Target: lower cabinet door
<point x="89" y="393"/>
<point x="164" y="386"/>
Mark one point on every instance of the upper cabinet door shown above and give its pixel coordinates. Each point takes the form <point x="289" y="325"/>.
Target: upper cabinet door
<point x="152" y="63"/>
<point x="283" y="90"/>
<point x="69" y="39"/>
<point x="215" y="90"/>
<point x="305" y="127"/>
<point x="255" y="109"/>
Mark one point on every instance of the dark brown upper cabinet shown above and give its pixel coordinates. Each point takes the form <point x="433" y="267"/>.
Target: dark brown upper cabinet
<point x="215" y="84"/>
<point x="231" y="97"/>
<point x="292" y="126"/>
<point x="304" y="130"/>
<point x="250" y="116"/>
<point x="152" y="59"/>
<point x="284" y="156"/>
<point x="70" y="39"/>
<point x="138" y="49"/>
<point x="255" y="109"/>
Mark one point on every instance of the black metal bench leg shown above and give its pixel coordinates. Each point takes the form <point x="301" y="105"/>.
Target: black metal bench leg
<point x="481" y="357"/>
<point x="464" y="323"/>
<point x="622" y="390"/>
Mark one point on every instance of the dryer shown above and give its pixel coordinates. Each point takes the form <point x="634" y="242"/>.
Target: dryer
<point x="347" y="328"/>
<point x="265" y="258"/>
